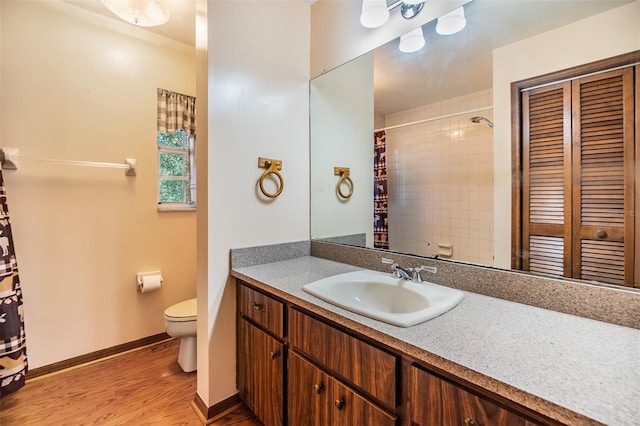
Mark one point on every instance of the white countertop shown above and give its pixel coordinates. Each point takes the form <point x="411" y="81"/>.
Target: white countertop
<point x="571" y="363"/>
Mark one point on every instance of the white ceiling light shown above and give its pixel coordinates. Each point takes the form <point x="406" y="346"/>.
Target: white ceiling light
<point x="144" y="13"/>
<point x="452" y="22"/>
<point x="374" y="13"/>
<point x="412" y="41"/>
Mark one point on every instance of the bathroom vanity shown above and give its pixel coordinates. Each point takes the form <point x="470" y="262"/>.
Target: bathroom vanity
<point x="485" y="362"/>
<point x="337" y="376"/>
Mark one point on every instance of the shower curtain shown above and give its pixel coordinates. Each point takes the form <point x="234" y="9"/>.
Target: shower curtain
<point x="380" y="197"/>
<point x="13" y="351"/>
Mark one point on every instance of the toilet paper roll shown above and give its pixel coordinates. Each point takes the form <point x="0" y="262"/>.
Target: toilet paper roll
<point x="150" y="283"/>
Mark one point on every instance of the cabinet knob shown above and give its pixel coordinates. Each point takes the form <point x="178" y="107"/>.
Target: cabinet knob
<point x="339" y="404"/>
<point x="274" y="355"/>
<point x="601" y="233"/>
<point x="259" y="307"/>
<point x="470" y="422"/>
<point x="318" y="388"/>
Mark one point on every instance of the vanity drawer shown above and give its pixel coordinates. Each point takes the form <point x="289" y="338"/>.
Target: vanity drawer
<point x="262" y="309"/>
<point x="353" y="360"/>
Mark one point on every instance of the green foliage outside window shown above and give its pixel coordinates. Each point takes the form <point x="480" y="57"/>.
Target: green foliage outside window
<point x="179" y="139"/>
<point x="173" y="164"/>
<point x="174" y="167"/>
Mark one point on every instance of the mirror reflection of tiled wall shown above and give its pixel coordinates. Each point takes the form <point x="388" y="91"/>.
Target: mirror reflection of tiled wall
<point x="440" y="178"/>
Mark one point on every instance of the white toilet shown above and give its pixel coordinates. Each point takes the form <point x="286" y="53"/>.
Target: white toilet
<point x="180" y="321"/>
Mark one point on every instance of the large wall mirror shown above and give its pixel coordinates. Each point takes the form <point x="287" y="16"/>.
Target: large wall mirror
<point x="440" y="118"/>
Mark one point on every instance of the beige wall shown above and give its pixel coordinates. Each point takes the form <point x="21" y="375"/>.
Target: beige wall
<point x="79" y="86"/>
<point x="258" y="94"/>
<point x="342" y="136"/>
<point x="608" y="34"/>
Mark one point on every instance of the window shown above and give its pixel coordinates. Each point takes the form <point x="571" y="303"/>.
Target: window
<point x="176" y="183"/>
<point x="175" y="138"/>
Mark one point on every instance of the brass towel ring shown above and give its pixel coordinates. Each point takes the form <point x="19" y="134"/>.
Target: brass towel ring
<point x="343" y="172"/>
<point x="271" y="167"/>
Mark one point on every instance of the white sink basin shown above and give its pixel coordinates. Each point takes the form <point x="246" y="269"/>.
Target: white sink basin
<point x="380" y="296"/>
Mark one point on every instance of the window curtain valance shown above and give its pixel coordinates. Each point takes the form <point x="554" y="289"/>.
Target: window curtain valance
<point x="176" y="112"/>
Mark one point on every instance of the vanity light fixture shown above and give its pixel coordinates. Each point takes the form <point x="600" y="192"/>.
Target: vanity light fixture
<point x="144" y="13"/>
<point x="409" y="8"/>
<point x="376" y="12"/>
<point x="452" y="22"/>
<point x="412" y="41"/>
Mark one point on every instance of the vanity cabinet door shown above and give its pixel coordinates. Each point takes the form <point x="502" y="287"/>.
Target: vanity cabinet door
<point x="349" y="408"/>
<point x="317" y="399"/>
<point x="260" y="373"/>
<point x="437" y="402"/>
<point x="308" y="393"/>
<point x="355" y="361"/>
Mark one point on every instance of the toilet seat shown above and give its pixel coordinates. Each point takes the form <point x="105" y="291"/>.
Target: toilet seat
<point x="182" y="312"/>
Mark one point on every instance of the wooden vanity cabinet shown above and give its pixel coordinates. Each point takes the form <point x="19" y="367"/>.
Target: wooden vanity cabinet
<point x="265" y="311"/>
<point x="435" y="401"/>
<point x="261" y="355"/>
<point x="351" y="408"/>
<point x="296" y="368"/>
<point x="260" y="380"/>
<point x="356" y="361"/>
<point x="309" y="392"/>
<point x="321" y="391"/>
<point x="317" y="399"/>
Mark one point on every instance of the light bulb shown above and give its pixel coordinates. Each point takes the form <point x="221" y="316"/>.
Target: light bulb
<point x="374" y="13"/>
<point x="412" y="41"/>
<point x="452" y="22"/>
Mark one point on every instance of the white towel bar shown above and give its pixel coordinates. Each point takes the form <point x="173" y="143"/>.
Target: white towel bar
<point x="8" y="157"/>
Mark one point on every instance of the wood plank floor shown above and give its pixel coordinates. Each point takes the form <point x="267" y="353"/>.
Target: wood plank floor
<point x="141" y="387"/>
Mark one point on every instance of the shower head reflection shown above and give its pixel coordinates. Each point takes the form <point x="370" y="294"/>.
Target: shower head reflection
<point x="479" y="119"/>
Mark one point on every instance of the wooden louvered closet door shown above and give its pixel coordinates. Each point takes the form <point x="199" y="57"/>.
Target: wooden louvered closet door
<point x="578" y="178"/>
<point x="603" y="139"/>
<point x="547" y="180"/>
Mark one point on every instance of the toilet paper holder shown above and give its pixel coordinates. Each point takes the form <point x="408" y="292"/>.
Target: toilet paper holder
<point x="140" y="276"/>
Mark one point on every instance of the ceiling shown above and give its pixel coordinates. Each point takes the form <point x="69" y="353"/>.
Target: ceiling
<point x="181" y="25"/>
<point x="450" y="66"/>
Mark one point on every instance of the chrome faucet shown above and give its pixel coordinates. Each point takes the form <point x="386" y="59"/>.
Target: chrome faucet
<point x="416" y="272"/>
<point x="398" y="271"/>
<point x="408" y="274"/>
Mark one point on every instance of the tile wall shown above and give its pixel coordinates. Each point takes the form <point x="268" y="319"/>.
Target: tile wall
<point x="440" y="178"/>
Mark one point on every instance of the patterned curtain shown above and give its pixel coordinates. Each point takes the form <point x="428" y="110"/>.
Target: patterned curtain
<point x="380" y="196"/>
<point x="13" y="347"/>
<point x="176" y="112"/>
